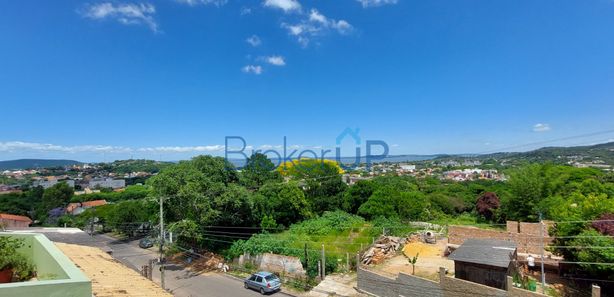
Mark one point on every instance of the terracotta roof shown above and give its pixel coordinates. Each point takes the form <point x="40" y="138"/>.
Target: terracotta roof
<point x="93" y="203"/>
<point x="72" y="206"/>
<point x="109" y="277"/>
<point x="15" y="217"/>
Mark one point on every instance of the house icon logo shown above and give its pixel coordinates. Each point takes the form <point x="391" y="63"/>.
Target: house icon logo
<point x="354" y="135"/>
<point x="351" y="133"/>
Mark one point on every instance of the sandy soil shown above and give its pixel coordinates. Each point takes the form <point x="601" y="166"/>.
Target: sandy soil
<point x="430" y="258"/>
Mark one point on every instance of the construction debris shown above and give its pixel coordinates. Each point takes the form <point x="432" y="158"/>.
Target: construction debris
<point x="383" y="248"/>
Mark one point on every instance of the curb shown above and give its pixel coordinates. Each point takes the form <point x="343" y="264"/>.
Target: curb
<point x="241" y="280"/>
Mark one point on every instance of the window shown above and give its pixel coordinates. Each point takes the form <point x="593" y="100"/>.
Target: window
<point x="271" y="277"/>
<point x="258" y="279"/>
<point x="253" y="278"/>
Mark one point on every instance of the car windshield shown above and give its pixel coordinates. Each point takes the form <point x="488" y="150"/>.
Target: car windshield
<point x="271" y="277"/>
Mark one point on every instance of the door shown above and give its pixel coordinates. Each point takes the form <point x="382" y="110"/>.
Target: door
<point x="251" y="282"/>
<point x="259" y="282"/>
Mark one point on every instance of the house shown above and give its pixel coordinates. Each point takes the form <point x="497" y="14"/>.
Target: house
<point x="79" y="207"/>
<point x="6" y="189"/>
<point x="107" y="183"/>
<point x="10" y="221"/>
<point x="407" y="168"/>
<point x="484" y="261"/>
<point x="48" y="183"/>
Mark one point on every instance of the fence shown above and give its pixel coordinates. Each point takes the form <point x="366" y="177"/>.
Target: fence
<point x="408" y="286"/>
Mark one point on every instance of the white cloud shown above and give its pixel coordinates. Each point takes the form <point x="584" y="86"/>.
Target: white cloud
<point x="245" y="10"/>
<point x="275" y="60"/>
<point x="124" y="13"/>
<point x="285" y="5"/>
<point x="374" y="3"/>
<point x="316" y="24"/>
<point x="12" y="146"/>
<point x="342" y="26"/>
<point x="182" y="149"/>
<point x="255" y="69"/>
<point x="20" y="146"/>
<point x="316" y="16"/>
<point x="254" y="40"/>
<point x="541" y="127"/>
<point x="203" y="2"/>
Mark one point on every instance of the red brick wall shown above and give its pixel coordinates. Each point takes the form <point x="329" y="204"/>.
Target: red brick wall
<point x="528" y="240"/>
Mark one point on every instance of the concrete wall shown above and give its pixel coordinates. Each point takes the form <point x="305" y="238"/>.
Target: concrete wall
<point x="409" y="286"/>
<point x="284" y="265"/>
<point x="525" y="235"/>
<point x="57" y="275"/>
<point x="402" y="285"/>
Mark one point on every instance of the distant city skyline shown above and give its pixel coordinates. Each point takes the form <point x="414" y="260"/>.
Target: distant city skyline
<point x="167" y="80"/>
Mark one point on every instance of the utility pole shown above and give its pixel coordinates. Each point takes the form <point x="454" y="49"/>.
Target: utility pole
<point x="541" y="236"/>
<point x="306" y="257"/>
<point x="323" y="263"/>
<point x="162" y="243"/>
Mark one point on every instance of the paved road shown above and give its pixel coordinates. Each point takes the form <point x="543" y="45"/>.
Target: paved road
<point x="181" y="282"/>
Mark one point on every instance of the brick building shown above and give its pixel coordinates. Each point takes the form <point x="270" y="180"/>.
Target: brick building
<point x="9" y="221"/>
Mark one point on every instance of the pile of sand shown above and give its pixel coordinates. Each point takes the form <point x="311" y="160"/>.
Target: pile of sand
<point x="425" y="249"/>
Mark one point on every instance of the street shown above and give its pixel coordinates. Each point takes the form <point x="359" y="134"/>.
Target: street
<point x="178" y="281"/>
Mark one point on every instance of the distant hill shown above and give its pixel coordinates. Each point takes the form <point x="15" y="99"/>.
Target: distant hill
<point x="134" y="165"/>
<point x="592" y="154"/>
<point x="35" y="163"/>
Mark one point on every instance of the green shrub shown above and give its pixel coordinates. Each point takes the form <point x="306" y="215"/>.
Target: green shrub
<point x="10" y="258"/>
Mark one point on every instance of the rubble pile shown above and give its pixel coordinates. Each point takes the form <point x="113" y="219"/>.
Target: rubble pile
<point x="383" y="248"/>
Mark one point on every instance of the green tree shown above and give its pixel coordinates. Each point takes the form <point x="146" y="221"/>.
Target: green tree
<point x="284" y="202"/>
<point x="259" y="170"/>
<point x="356" y="195"/>
<point x="381" y="204"/>
<point x="527" y="187"/>
<point x="56" y="196"/>
<point x="128" y="216"/>
<point x="322" y="182"/>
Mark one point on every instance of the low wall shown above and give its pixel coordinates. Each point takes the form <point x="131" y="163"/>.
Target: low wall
<point x="284" y="265"/>
<point x="57" y="275"/>
<point x="409" y="286"/>
<point x="525" y="235"/>
<point x="403" y="285"/>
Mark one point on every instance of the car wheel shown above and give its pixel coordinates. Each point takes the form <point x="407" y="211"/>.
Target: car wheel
<point x="245" y="285"/>
<point x="262" y="291"/>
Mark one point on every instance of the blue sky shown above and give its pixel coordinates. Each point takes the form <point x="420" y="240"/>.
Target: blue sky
<point x="105" y="80"/>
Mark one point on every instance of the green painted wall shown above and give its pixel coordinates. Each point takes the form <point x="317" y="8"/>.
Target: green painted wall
<point x="57" y="275"/>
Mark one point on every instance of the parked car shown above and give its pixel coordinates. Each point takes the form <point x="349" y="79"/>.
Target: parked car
<point x="264" y="282"/>
<point x="145" y="243"/>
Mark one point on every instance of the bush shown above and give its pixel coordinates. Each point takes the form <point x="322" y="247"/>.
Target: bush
<point x="605" y="224"/>
<point x="329" y="223"/>
<point x="393" y="226"/>
<point x="487" y="205"/>
<point x="11" y="259"/>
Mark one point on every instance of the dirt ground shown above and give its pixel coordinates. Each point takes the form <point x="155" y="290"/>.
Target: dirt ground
<point x="200" y="264"/>
<point x="430" y="258"/>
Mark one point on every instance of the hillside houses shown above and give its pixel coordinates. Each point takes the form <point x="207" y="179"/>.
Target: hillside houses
<point x="79" y="207"/>
<point x="472" y="174"/>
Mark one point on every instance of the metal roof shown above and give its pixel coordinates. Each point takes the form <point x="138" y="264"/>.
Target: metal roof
<point x="489" y="252"/>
